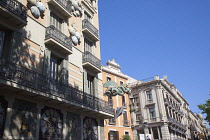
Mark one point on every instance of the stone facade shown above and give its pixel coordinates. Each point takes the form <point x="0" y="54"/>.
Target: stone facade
<point x="159" y="109"/>
<point x="50" y="70"/>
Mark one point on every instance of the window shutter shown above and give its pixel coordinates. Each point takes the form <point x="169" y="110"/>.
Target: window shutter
<point x="46" y="66"/>
<point x="125" y="116"/>
<point x="85" y="81"/>
<point x="16" y="45"/>
<point x="116" y="135"/>
<point x="95" y="86"/>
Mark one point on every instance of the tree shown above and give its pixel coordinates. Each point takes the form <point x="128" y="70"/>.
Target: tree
<point x="126" y="137"/>
<point x="205" y="110"/>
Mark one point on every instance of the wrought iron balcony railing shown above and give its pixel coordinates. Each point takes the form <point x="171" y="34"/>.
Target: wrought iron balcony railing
<point x="90" y="27"/>
<point x="34" y="80"/>
<point x="15" y="7"/>
<point x="149" y="101"/>
<point x="176" y="123"/>
<point x="154" y="119"/>
<point x="89" y="57"/>
<point x="64" y="4"/>
<point x="112" y="121"/>
<point x="126" y="123"/>
<point x="57" y="35"/>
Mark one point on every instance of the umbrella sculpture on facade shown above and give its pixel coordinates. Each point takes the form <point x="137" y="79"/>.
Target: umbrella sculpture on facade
<point x="113" y="89"/>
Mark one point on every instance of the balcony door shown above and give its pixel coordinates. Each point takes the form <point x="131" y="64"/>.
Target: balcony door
<point x="90" y="83"/>
<point x="54" y="69"/>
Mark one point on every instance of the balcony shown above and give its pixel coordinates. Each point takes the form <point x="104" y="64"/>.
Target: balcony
<point x="61" y="6"/>
<point x="153" y="119"/>
<point x="14" y="12"/>
<point x="126" y="123"/>
<point x="25" y="82"/>
<point x="90" y="30"/>
<point x="112" y="121"/>
<point x="149" y="102"/>
<point x="132" y="108"/>
<point x="170" y="119"/>
<point x="91" y="62"/>
<point x="58" y="41"/>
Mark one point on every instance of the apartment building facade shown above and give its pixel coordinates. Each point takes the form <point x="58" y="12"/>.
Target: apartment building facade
<point x="159" y="110"/>
<point x="50" y="70"/>
<point x="115" y="128"/>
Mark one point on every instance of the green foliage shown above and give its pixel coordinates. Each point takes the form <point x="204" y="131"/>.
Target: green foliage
<point x="205" y="110"/>
<point x="126" y="137"/>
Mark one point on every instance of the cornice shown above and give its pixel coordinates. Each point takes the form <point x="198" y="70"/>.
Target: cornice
<point x="114" y="73"/>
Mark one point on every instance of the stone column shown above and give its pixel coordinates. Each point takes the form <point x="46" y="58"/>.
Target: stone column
<point x="158" y="132"/>
<point x="146" y="130"/>
<point x="7" y="134"/>
<point x="165" y="131"/>
<point x="135" y="134"/>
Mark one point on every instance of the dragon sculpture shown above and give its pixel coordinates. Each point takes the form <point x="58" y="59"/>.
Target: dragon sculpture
<point x="114" y="90"/>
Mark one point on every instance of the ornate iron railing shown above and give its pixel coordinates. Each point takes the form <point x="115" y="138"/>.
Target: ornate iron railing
<point x="177" y="123"/>
<point x="89" y="57"/>
<point x="149" y="101"/>
<point x="54" y="33"/>
<point x="126" y="123"/>
<point x="34" y="80"/>
<point x="112" y="121"/>
<point x="90" y="27"/>
<point x="64" y="4"/>
<point x="15" y="7"/>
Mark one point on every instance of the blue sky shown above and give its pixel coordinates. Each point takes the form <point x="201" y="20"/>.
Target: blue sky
<point x="160" y="37"/>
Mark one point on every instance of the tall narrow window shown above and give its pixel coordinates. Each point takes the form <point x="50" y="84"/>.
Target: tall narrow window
<point x="149" y="96"/>
<point x="125" y="119"/>
<point x="123" y="101"/>
<point x="55" y="20"/>
<point x="121" y="83"/>
<point x="2" y="36"/>
<point x="54" y="64"/>
<point x="152" y="113"/>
